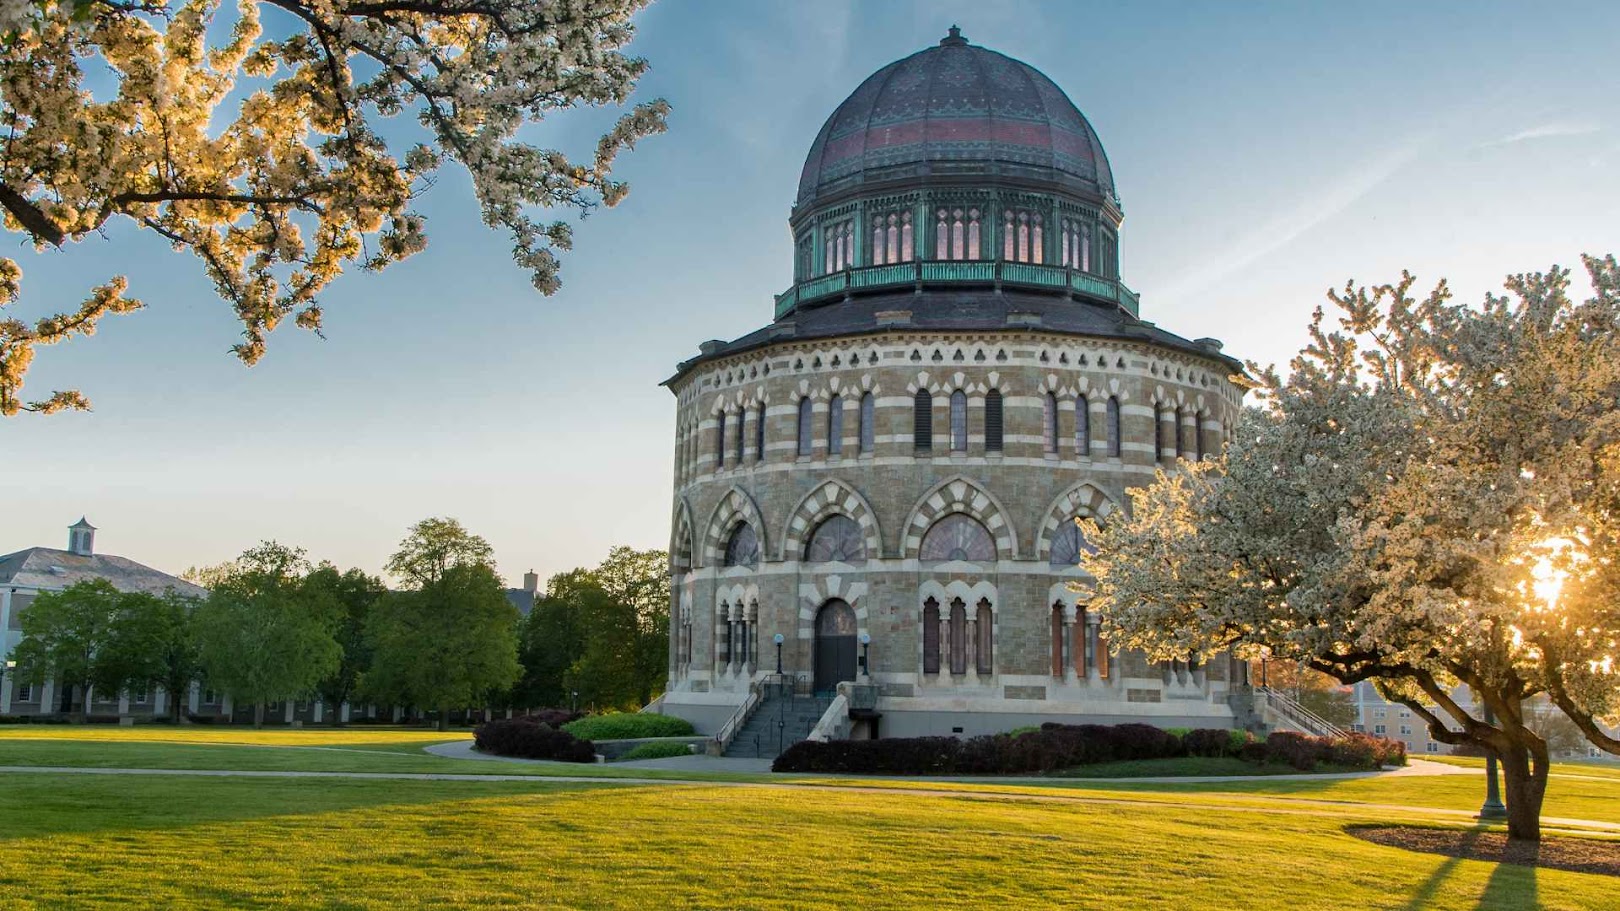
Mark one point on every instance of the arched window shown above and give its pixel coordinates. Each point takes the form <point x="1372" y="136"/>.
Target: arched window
<point x="806" y="435"/>
<point x="1049" y="418"/>
<point x="930" y="636"/>
<point x="838" y="539"/>
<point x="959" y="421"/>
<point x="1067" y="545"/>
<point x="742" y="548"/>
<point x="891" y="238"/>
<point x="922" y="421"/>
<point x="868" y="428"/>
<point x="835" y="427"/>
<point x="1113" y="427"/>
<point x="1082" y="427"/>
<point x="1057" y="639"/>
<point x="1158" y="431"/>
<point x="720" y="441"/>
<point x="759" y="433"/>
<point x="956" y="233"/>
<point x="958" y="536"/>
<point x="839" y="245"/>
<point x="958" y="636"/>
<point x="984" y="636"/>
<point x="1198" y="435"/>
<point x="742" y="434"/>
<point x="992" y="421"/>
<point x="1022" y="238"/>
<point x="1076" y="239"/>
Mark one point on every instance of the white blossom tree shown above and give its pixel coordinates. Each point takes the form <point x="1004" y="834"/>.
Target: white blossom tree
<point x="252" y="137"/>
<point x="1430" y="498"/>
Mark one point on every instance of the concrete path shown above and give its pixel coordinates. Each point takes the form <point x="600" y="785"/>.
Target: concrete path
<point x="463" y="749"/>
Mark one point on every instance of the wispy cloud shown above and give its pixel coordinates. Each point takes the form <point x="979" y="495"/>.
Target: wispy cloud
<point x="1325" y="201"/>
<point x="1544" y="131"/>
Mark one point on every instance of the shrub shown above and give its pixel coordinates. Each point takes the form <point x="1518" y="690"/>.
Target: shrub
<point x="1302" y="751"/>
<point x="665" y="749"/>
<point x="527" y="739"/>
<point x="34" y="719"/>
<point x="628" y="726"/>
<point x="1212" y="742"/>
<point x="1052" y="746"/>
<point x="554" y="717"/>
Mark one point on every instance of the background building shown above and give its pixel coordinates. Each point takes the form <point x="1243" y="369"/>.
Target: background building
<point x="892" y="467"/>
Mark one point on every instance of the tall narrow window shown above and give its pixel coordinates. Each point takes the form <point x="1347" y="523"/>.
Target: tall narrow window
<point x="958" y="636"/>
<point x="742" y="433"/>
<point x="868" y="427"/>
<point x="1057" y="639"/>
<point x="1198" y="435"/>
<point x="957" y="234"/>
<point x="1113" y="427"/>
<point x="1082" y="427"/>
<point x="922" y="421"/>
<point x="1182" y="447"/>
<point x="759" y="433"/>
<point x="806" y="435"/>
<point x="930" y="636"/>
<point x="891" y="237"/>
<point x="992" y="421"/>
<point x="958" y="421"/>
<point x="1049" y="421"/>
<point x="720" y="441"/>
<point x="835" y="427"/>
<point x="1022" y="236"/>
<point x="1158" y="431"/>
<point x="838" y="246"/>
<point x="806" y="256"/>
<point x="984" y="635"/>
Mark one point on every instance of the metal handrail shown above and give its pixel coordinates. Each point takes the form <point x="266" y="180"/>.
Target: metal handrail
<point x="1289" y="706"/>
<point x="728" y="731"/>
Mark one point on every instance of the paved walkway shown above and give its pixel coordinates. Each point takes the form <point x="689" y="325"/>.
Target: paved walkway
<point x="463" y="749"/>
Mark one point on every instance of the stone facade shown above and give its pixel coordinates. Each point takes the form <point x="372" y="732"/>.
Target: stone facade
<point x="1000" y="374"/>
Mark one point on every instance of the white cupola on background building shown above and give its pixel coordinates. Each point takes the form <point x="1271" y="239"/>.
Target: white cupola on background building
<point x="82" y="538"/>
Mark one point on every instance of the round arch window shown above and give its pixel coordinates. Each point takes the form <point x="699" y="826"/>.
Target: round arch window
<point x="838" y="539"/>
<point x="1068" y="543"/>
<point x="742" y="549"/>
<point x="958" y="537"/>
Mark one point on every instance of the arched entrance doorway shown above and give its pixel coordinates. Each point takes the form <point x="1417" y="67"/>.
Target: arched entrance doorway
<point x="835" y="645"/>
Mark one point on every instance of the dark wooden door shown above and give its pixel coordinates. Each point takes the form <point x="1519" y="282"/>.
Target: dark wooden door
<point x="835" y="645"/>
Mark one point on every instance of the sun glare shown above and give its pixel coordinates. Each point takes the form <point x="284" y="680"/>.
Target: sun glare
<point x="1553" y="558"/>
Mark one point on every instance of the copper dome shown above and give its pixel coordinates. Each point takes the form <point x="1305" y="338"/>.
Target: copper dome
<point x="956" y="109"/>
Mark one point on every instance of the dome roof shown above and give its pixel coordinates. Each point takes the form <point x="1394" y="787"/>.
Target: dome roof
<point x="956" y="109"/>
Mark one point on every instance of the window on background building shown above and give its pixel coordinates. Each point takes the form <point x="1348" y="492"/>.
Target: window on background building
<point x="1022" y="236"/>
<point x="759" y="433"/>
<point x="868" y="426"/>
<point x="835" y="426"/>
<point x="720" y="441"/>
<point x="930" y="636"/>
<point x="806" y="433"/>
<point x="25" y="692"/>
<point x="1082" y="427"/>
<point x="1431" y="747"/>
<point x="891" y="238"/>
<point x="1049" y="421"/>
<point x="1113" y="428"/>
<point x="838" y="539"/>
<point x="958" y="636"/>
<point x="1406" y="713"/>
<point x="1406" y="730"/>
<point x="838" y="250"/>
<point x="956" y="233"/>
<point x="742" y="548"/>
<point x="209" y="697"/>
<point x="984" y="639"/>
<point x="959" y="421"/>
<point x="957" y="537"/>
<point x="142" y="695"/>
<point x="922" y="421"/>
<point x="1068" y="543"/>
<point x="992" y="421"/>
<point x="1076" y="239"/>
<point x="1379" y="729"/>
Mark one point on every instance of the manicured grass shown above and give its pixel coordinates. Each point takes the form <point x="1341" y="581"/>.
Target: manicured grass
<point x="1184" y="766"/>
<point x="121" y="842"/>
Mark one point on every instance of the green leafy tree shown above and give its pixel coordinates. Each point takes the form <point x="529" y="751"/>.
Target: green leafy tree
<point x="65" y="636"/>
<point x="450" y="639"/>
<point x="264" y="633"/>
<point x="152" y="642"/>
<point x="356" y="595"/>
<point x="551" y="639"/>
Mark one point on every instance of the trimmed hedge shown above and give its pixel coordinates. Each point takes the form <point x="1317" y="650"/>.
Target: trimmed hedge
<point x="657" y="750"/>
<point x="527" y="739"/>
<point x="1059" y="746"/>
<point x="628" y="726"/>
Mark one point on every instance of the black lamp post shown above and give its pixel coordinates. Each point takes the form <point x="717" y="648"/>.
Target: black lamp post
<point x="866" y="655"/>
<point x="574" y="706"/>
<point x="778" y="640"/>
<point x="1493" y="807"/>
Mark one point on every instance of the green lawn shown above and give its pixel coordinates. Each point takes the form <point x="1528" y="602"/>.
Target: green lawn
<point x="1183" y="766"/>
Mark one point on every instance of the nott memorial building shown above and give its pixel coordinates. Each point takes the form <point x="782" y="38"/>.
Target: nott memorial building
<point x="887" y="474"/>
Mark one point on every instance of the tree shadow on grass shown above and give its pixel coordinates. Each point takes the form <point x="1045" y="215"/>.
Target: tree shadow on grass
<point x="1423" y="898"/>
<point x="1511" y="888"/>
<point x="43" y="804"/>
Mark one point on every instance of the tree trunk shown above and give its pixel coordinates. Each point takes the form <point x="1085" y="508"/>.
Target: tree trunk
<point x="258" y="715"/>
<point x="1524" y="785"/>
<point x="444" y="717"/>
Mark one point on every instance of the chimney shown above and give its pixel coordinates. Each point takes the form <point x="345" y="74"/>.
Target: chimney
<point x="82" y="538"/>
<point x="531" y="582"/>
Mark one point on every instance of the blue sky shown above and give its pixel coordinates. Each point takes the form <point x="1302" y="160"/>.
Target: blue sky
<point x="1263" y="152"/>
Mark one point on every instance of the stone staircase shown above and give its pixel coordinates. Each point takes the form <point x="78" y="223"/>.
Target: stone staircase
<point x="759" y="736"/>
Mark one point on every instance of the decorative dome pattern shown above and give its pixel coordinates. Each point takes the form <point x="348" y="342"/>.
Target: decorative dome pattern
<point x="956" y="109"/>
